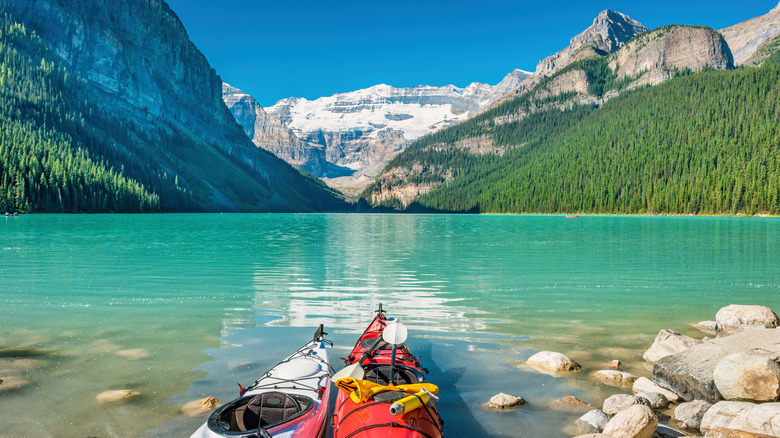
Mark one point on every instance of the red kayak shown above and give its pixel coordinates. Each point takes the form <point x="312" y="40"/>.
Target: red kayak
<point x="383" y="392"/>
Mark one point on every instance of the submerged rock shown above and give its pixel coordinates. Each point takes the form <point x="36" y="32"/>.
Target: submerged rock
<point x="12" y="383"/>
<point x="637" y="421"/>
<point x="613" y="377"/>
<point x="741" y="315"/>
<point x="117" y="395"/>
<point x="667" y="343"/>
<point x="592" y="422"/>
<point x="505" y="401"/>
<point x="744" y="376"/>
<point x="551" y="361"/>
<point x="571" y="405"/>
<point x="133" y="354"/>
<point x="614" y="364"/>
<point x="690" y="414"/>
<point x="691" y="372"/>
<point x="196" y="408"/>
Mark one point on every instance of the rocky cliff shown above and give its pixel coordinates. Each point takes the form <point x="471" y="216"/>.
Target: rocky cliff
<point x="655" y="56"/>
<point x="140" y="68"/>
<point x="269" y="133"/>
<point x="362" y="130"/>
<point x="747" y="37"/>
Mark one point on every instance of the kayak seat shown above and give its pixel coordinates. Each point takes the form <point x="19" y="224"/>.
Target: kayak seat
<point x="269" y="408"/>
<point x="381" y="375"/>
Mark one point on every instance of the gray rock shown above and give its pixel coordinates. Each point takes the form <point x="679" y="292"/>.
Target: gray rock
<point x="721" y="414"/>
<point x="691" y="372"/>
<point x="505" y="401"/>
<point x="592" y="422"/>
<point x="637" y="421"/>
<point x="619" y="402"/>
<point x="656" y="400"/>
<point x="744" y="376"/>
<point x="668" y="342"/>
<point x="746" y="37"/>
<point x="689" y="414"/>
<point x="739" y="315"/>
<point x="643" y="384"/>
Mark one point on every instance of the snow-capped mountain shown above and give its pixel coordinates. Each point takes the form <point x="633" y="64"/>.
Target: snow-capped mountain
<point x="362" y="130"/>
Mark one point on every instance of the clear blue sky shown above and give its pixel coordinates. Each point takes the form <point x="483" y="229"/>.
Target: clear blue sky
<point x="275" y="49"/>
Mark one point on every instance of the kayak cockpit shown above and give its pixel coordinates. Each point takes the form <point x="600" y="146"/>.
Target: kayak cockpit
<point x="402" y="375"/>
<point x="266" y="410"/>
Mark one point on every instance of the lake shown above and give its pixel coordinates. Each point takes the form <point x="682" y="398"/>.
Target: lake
<point x="182" y="306"/>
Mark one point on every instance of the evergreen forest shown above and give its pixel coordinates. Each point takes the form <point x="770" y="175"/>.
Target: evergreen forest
<point x="701" y="143"/>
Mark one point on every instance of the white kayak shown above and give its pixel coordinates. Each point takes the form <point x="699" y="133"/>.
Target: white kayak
<point x="290" y="400"/>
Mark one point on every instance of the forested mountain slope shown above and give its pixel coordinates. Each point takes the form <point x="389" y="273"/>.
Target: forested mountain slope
<point x="700" y="143"/>
<point x="108" y="106"/>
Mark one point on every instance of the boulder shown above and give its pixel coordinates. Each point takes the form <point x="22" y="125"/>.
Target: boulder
<point x="614" y="377"/>
<point x="592" y="422"/>
<point x="739" y="315"/>
<point x="655" y="400"/>
<point x="721" y="414"/>
<point x="553" y="362"/>
<point x="691" y="372"/>
<point x="745" y="376"/>
<point x="731" y="433"/>
<point x="196" y="408"/>
<point x="505" y="401"/>
<point x="643" y="384"/>
<point x="117" y="395"/>
<point x="637" y="421"/>
<point x="668" y="342"/>
<point x="619" y="402"/>
<point x="570" y="404"/>
<point x="762" y="419"/>
<point x="705" y="326"/>
<point x="689" y="414"/>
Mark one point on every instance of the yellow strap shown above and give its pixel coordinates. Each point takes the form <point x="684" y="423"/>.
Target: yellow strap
<point x="361" y="391"/>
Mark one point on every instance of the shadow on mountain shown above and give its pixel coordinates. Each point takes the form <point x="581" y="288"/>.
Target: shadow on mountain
<point x="335" y="171"/>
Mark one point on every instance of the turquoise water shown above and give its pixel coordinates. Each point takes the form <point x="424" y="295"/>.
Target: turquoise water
<point x="178" y="307"/>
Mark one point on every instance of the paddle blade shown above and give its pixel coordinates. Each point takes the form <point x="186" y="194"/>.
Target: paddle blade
<point x="355" y="371"/>
<point x="395" y="333"/>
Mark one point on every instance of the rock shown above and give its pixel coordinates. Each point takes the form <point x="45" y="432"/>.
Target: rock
<point x="643" y="384"/>
<point x="571" y="405"/>
<point x="196" y="408"/>
<point x="721" y="414"/>
<point x="738" y="315"/>
<point x="747" y="37"/>
<point x="761" y="419"/>
<point x="637" y="421"/>
<point x="29" y="364"/>
<point x="689" y="414"/>
<point x="668" y="342"/>
<point x="731" y="433"/>
<point x="663" y="431"/>
<point x="656" y="400"/>
<point x="117" y="395"/>
<point x="592" y="422"/>
<point x="618" y="402"/>
<point x="744" y="376"/>
<point x="133" y="354"/>
<point x="614" y="364"/>
<point x="551" y="361"/>
<point x="691" y="372"/>
<point x="705" y="326"/>
<point x="505" y="401"/>
<point x="593" y="435"/>
<point x="614" y="377"/>
<point x="12" y="383"/>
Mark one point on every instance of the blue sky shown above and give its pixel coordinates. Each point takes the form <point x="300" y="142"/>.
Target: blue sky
<point x="278" y="49"/>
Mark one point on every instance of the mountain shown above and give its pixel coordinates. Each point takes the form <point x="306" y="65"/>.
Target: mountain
<point x="747" y="38"/>
<point x="362" y="130"/>
<point x="269" y="133"/>
<point x="609" y="32"/>
<point x="152" y="109"/>
<point x="476" y="165"/>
